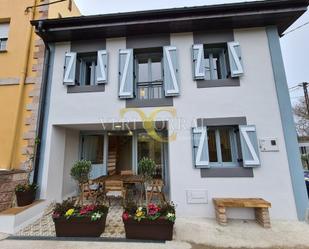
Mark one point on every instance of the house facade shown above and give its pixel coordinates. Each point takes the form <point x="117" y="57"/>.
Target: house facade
<point x="199" y="91"/>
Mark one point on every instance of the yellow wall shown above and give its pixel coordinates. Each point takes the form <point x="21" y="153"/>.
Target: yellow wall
<point x="11" y="67"/>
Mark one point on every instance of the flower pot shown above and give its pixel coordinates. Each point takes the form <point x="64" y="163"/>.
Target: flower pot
<point x="79" y="227"/>
<point x="159" y="229"/>
<point x="25" y="198"/>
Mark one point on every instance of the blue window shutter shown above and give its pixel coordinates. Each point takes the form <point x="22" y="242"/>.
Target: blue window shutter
<point x="171" y="78"/>
<point x="249" y="146"/>
<point x="200" y="147"/>
<point x="126" y="77"/>
<point x="102" y="67"/>
<point x="235" y="59"/>
<point x="198" y="62"/>
<point x="69" y="69"/>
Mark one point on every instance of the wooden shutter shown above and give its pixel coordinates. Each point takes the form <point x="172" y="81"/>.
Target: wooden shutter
<point x="200" y="147"/>
<point x="235" y="59"/>
<point x="249" y="145"/>
<point x="171" y="81"/>
<point x="102" y="67"/>
<point x="126" y="77"/>
<point x="69" y="69"/>
<point x="198" y="62"/>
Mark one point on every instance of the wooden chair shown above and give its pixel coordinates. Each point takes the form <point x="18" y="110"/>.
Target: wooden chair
<point x="156" y="189"/>
<point x="114" y="189"/>
<point x="90" y="190"/>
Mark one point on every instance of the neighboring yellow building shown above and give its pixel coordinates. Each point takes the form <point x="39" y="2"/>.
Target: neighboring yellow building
<point x="21" y="64"/>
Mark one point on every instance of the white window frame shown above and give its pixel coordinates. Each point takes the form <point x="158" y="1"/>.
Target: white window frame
<point x="150" y="81"/>
<point x="234" y="148"/>
<point x="211" y="69"/>
<point x="82" y="69"/>
<point x="4" y="35"/>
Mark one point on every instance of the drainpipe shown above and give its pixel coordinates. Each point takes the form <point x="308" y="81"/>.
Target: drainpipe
<point x="22" y="82"/>
<point x="42" y="105"/>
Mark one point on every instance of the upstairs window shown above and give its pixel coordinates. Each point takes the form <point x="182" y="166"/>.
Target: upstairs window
<point x="4" y="34"/>
<point x="86" y="69"/>
<point x="149" y="75"/>
<point x="216" y="62"/>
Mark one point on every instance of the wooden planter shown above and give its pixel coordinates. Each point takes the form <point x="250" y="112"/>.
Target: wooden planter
<point x="79" y="227"/>
<point x="160" y="229"/>
<point x="25" y="198"/>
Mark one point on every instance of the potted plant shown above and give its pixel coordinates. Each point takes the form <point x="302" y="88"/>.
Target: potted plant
<point x="25" y="193"/>
<point x="147" y="169"/>
<point x="80" y="172"/>
<point x="79" y="221"/>
<point x="152" y="223"/>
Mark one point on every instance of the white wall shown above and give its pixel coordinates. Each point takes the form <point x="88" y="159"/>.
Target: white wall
<point x="255" y="98"/>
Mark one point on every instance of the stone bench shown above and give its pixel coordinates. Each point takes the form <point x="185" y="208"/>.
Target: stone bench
<point x="260" y="207"/>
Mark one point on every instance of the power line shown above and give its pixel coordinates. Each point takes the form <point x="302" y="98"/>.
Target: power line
<point x="306" y="23"/>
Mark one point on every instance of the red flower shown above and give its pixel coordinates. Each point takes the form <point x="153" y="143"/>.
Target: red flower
<point x="87" y="209"/>
<point x="125" y="216"/>
<point x="153" y="209"/>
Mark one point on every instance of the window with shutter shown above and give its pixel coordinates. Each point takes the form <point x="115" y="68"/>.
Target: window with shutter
<point x="235" y="59"/>
<point x="171" y="79"/>
<point x="126" y="76"/>
<point x="249" y="146"/>
<point x="200" y="147"/>
<point x="101" y="73"/>
<point x="69" y="69"/>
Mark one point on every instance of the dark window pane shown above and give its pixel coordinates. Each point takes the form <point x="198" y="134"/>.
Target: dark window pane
<point x="212" y="146"/>
<point x="225" y="145"/>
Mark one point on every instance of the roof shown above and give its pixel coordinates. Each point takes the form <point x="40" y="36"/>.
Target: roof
<point x="281" y="13"/>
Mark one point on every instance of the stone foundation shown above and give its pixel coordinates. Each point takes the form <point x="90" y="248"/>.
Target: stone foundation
<point x="8" y="182"/>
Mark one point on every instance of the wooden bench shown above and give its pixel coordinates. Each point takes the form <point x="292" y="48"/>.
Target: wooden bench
<point x="260" y="207"/>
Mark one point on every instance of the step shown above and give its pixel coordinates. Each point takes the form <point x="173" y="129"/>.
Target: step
<point x="16" y="218"/>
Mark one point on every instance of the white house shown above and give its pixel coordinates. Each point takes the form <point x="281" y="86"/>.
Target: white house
<point x="210" y="79"/>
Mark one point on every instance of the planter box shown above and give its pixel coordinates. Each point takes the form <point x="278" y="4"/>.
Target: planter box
<point x="159" y="229"/>
<point x="25" y="198"/>
<point x="79" y="227"/>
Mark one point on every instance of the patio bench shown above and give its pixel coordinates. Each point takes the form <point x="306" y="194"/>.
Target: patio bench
<point x="260" y="207"/>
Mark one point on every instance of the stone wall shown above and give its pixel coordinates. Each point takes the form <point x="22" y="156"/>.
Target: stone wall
<point x="8" y="182"/>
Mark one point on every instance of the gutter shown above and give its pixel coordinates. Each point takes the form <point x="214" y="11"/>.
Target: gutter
<point x="40" y="119"/>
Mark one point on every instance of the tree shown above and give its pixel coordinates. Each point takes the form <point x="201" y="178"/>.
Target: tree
<point x="302" y="118"/>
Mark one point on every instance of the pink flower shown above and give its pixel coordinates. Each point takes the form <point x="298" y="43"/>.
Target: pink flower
<point x="87" y="209"/>
<point x="55" y="215"/>
<point x="125" y="216"/>
<point x="153" y="209"/>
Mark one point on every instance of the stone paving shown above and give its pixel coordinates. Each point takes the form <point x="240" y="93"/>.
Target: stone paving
<point x="45" y="225"/>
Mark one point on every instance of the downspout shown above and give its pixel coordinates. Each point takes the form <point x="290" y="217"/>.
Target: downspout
<point x="42" y="105"/>
<point x="22" y="82"/>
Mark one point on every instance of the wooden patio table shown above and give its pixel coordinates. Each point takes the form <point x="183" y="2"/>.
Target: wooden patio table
<point x="127" y="179"/>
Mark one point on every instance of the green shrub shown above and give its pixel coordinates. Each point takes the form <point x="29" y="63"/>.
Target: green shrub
<point x="80" y="171"/>
<point x="26" y="187"/>
<point x="147" y="168"/>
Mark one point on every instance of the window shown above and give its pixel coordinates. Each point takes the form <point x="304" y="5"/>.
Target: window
<point x="151" y="148"/>
<point x="86" y="69"/>
<point x="222" y="145"/>
<point x="216" y="62"/>
<point x="149" y="75"/>
<point x="4" y="32"/>
<point x="92" y="148"/>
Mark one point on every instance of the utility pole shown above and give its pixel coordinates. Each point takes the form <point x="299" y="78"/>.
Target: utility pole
<point x="305" y="85"/>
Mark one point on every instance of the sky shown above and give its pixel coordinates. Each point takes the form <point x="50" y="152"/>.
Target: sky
<point x="295" y="45"/>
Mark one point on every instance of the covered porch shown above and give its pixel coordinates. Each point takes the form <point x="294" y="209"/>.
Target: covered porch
<point x="114" y="150"/>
